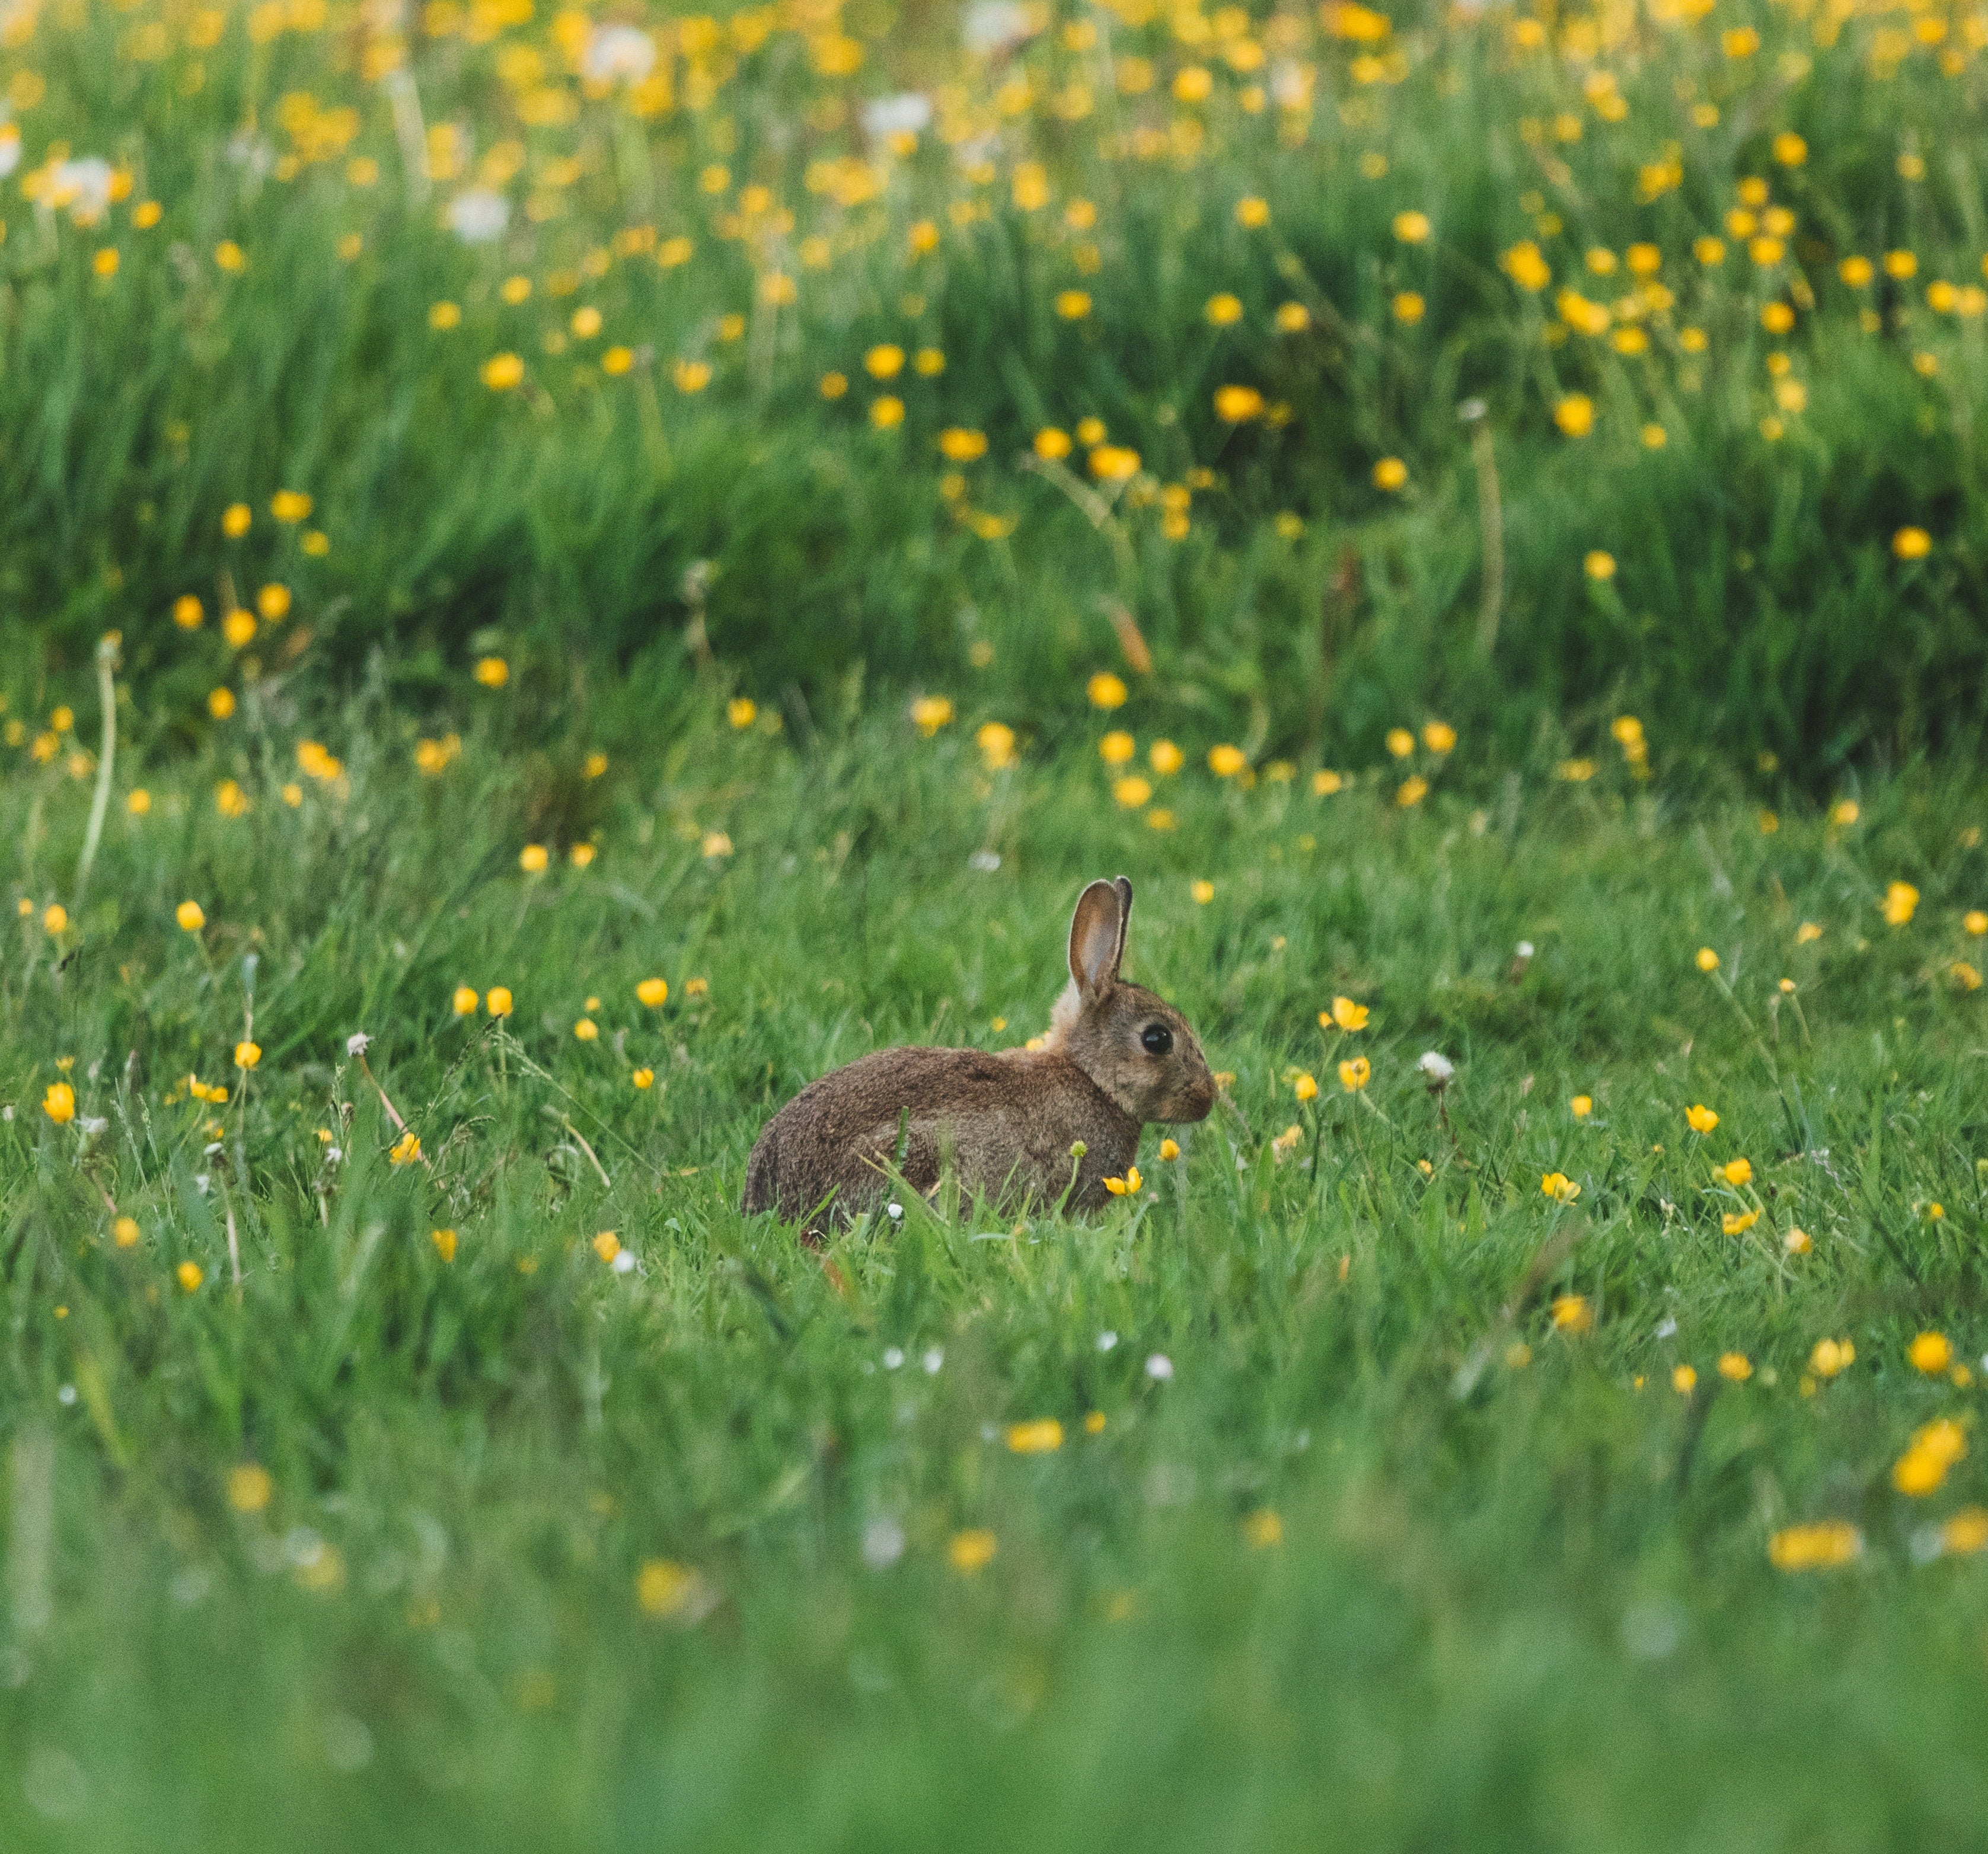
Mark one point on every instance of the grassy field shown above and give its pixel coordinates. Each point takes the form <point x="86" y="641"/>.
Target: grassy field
<point x="1310" y="366"/>
<point x="563" y="574"/>
<point x="1340" y="1478"/>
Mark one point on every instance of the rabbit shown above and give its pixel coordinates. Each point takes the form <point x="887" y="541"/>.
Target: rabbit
<point x="1115" y="1057"/>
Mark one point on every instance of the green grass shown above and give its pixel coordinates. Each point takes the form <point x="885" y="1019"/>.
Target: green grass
<point x="1757" y="604"/>
<point x="1532" y="1610"/>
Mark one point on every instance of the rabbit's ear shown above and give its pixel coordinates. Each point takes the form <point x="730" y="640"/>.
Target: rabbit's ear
<point x="1097" y="938"/>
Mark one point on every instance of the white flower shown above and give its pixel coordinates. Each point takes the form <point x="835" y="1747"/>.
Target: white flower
<point x="618" y="54"/>
<point x="933" y="1359"/>
<point x="623" y="1262"/>
<point x="883" y="1544"/>
<point x="907" y="113"/>
<point x="894" y="1212"/>
<point x="355" y="1045"/>
<point x="1667" y="1329"/>
<point x="478" y="215"/>
<point x="82" y="186"/>
<point x="1160" y="1368"/>
<point x="993" y="25"/>
<point x="893" y="1357"/>
<point x="91" y="1123"/>
<point x="1438" y="1068"/>
<point x="65" y="1394"/>
<point x="986" y="861"/>
<point x="1106" y="1340"/>
<point x="1525" y="949"/>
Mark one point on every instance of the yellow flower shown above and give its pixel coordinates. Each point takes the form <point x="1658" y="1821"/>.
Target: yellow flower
<point x="664" y="1588"/>
<point x="502" y="372"/>
<point x="1581" y="1106"/>
<point x="1912" y="543"/>
<point x="1051" y="443"/>
<point x="1106" y="691"/>
<point x="689" y="376"/>
<point x="1262" y="1529"/>
<point x="885" y="361"/>
<point x="1844" y="813"/>
<point x="1525" y="265"/>
<point x="653" y="991"/>
<point x="124" y="1232"/>
<point x="971" y="1550"/>
<point x="1830" y="1356"/>
<point x="957" y="444"/>
<point x="1932" y="1353"/>
<point x="1411" y="228"/>
<point x="1169" y="1148"/>
<point x="1790" y="150"/>
<point x="1223" y="310"/>
<point x="497" y="1000"/>
<point x="1127" y="1186"/>
<point x="221" y="703"/>
<point x="1411" y="791"/>
<point x="586" y="1030"/>
<point x="888" y="413"/>
<point x="1797" y="1241"/>
<point x="1558" y="1186"/>
<point x="248" y="1054"/>
<point x="1253" y="213"/>
<point x="1408" y="307"/>
<point x="1737" y="1222"/>
<point x="1305" y="1088"/>
<point x="1042" y="1436"/>
<point x="1965" y="975"/>
<point x="1072" y="305"/>
<point x="1598" y="565"/>
<point x="1822" y="1547"/>
<point x="1901" y="901"/>
<point x="1226" y="762"/>
<point x="607" y="1245"/>
<point x="60" y="1103"/>
<point x="405" y="1150"/>
<point x="1390" y="474"/>
<point x="189" y="1275"/>
<point x="445" y="315"/>
<point x="1293" y="319"/>
<point x="1438" y="736"/>
<point x="1683" y="1380"/>
<point x="1701" y="1119"/>
<point x="1166" y="758"/>
<point x="1708" y="960"/>
<point x="1345" y="1015"/>
<point x="930" y="713"/>
<point x="1966" y="1532"/>
<point x="1116" y="747"/>
<point x="1571" y="1313"/>
<point x="996" y="740"/>
<point x="1574" y="415"/>
<point x="445" y="1242"/>
<point x="643" y="1078"/>
<point x="1975" y="922"/>
<point x="1354" y="1073"/>
<point x="1203" y="892"/>
<point x="533" y="858"/>
<point x="1237" y="405"/>
<point x="1131" y="792"/>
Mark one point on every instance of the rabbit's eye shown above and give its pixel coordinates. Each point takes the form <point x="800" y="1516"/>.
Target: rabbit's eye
<point x="1158" y="1039"/>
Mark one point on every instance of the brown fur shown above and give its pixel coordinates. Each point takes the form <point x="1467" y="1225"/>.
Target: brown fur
<point x="1006" y="1120"/>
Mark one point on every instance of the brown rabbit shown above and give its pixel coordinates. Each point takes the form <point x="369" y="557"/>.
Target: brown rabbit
<point x="1115" y="1057"/>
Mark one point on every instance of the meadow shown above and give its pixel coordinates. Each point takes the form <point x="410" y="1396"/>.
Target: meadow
<point x="562" y="575"/>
